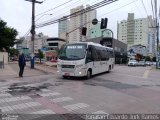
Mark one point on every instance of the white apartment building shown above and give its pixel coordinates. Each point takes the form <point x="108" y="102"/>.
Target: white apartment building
<point x="136" y="31"/>
<point x="79" y="21"/>
<point x="63" y="29"/>
<point x="39" y="42"/>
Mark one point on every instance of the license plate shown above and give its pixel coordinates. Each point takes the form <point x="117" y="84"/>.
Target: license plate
<point x="66" y="74"/>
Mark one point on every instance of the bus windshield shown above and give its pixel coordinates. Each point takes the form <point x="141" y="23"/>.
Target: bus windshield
<point x="72" y="52"/>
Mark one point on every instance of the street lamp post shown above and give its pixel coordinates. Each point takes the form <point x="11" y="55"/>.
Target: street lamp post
<point x="107" y="30"/>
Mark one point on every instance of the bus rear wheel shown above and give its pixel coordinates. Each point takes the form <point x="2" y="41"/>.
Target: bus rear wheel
<point x="109" y="69"/>
<point x="65" y="77"/>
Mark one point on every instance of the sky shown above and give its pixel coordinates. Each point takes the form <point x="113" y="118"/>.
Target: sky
<point x="17" y="13"/>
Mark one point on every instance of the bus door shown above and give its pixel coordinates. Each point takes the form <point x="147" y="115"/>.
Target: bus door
<point x="96" y="60"/>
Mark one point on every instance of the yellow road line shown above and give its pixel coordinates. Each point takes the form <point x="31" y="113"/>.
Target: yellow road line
<point x="146" y="73"/>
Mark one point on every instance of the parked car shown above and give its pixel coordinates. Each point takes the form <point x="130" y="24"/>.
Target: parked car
<point x="141" y="63"/>
<point x="132" y="63"/>
<point x="148" y="63"/>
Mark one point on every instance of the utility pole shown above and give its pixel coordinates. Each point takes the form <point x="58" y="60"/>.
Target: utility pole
<point x="157" y="29"/>
<point x="33" y="30"/>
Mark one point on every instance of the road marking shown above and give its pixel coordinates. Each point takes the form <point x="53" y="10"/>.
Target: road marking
<point x="12" y="99"/>
<point x="47" y="111"/>
<point x="19" y="106"/>
<point x="75" y="106"/>
<point x="146" y="73"/>
<point x="50" y="94"/>
<point x="62" y="99"/>
<point x="45" y="90"/>
<point x="100" y="112"/>
<point x="5" y="95"/>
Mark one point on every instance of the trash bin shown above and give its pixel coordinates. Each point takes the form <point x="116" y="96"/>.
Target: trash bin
<point x="1" y="64"/>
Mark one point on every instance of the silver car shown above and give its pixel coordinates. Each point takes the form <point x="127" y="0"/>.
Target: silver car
<point x="141" y="63"/>
<point x="132" y="63"/>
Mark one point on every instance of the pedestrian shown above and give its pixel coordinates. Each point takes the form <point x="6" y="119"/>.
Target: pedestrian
<point x="22" y="64"/>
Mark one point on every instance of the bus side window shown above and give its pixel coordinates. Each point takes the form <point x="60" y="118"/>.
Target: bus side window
<point x="107" y="54"/>
<point x="94" y="53"/>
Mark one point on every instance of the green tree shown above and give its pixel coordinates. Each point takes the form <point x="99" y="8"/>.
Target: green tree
<point x="7" y="36"/>
<point x="147" y="58"/>
<point x="154" y="59"/>
<point x="40" y="55"/>
<point x="13" y="52"/>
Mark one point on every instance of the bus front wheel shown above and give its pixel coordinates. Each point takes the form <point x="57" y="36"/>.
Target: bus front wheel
<point x="65" y="77"/>
<point x="89" y="74"/>
<point x="109" y="69"/>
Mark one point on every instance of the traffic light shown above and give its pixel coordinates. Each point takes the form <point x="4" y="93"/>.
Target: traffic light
<point x="84" y="31"/>
<point x="104" y="23"/>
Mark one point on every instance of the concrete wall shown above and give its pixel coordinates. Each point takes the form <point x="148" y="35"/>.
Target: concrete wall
<point x="5" y="55"/>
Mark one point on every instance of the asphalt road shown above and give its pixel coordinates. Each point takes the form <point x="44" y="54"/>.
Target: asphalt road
<point x="123" y="90"/>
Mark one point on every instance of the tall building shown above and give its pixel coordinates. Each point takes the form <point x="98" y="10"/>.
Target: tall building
<point x="136" y="31"/>
<point x="63" y="28"/>
<point x="39" y="42"/>
<point x="76" y="23"/>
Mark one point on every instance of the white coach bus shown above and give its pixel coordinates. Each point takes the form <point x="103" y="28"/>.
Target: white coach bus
<point x="84" y="59"/>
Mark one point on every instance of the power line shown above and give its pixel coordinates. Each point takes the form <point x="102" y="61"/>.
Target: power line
<point x="58" y="16"/>
<point x="28" y="31"/>
<point x="138" y="9"/>
<point x="54" y="8"/>
<point x="63" y="13"/>
<point x="90" y="8"/>
<point x="119" y="8"/>
<point x="152" y="9"/>
<point x="146" y="12"/>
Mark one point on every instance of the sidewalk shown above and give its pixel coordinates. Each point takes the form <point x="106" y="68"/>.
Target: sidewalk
<point x="44" y="68"/>
<point x="7" y="71"/>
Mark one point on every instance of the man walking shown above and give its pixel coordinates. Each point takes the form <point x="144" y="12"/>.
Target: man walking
<point x="22" y="64"/>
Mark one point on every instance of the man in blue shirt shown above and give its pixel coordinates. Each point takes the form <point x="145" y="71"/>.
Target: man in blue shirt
<point x="22" y="64"/>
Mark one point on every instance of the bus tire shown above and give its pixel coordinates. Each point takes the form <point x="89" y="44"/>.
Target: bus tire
<point x="65" y="77"/>
<point x="109" y="69"/>
<point x="89" y="74"/>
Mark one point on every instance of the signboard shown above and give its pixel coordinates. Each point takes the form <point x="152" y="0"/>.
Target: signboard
<point x="107" y="42"/>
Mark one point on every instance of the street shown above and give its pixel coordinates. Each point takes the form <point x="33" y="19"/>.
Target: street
<point x="123" y="90"/>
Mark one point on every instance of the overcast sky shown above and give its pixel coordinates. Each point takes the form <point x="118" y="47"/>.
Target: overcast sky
<point x="17" y="13"/>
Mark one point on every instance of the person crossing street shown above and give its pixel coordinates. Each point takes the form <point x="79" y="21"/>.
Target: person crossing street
<point x="22" y="64"/>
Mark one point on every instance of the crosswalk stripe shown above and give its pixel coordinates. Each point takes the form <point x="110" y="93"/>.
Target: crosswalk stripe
<point x="100" y="112"/>
<point x="50" y="94"/>
<point x="19" y="106"/>
<point x="76" y="106"/>
<point x="47" y="111"/>
<point x="62" y="99"/>
<point x="5" y="95"/>
<point x="12" y="99"/>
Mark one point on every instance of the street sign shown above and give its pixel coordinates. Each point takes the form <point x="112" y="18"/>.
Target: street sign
<point x="94" y="21"/>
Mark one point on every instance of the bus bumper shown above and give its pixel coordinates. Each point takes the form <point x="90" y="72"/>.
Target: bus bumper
<point x="76" y="73"/>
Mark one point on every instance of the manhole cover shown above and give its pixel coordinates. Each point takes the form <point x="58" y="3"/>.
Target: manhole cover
<point x="15" y="89"/>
